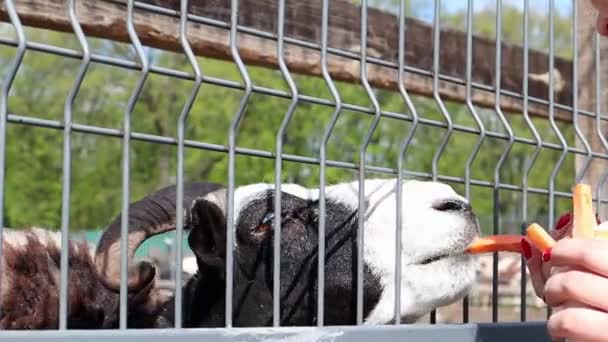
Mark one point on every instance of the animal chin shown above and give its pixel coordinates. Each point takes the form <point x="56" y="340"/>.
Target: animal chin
<point x="434" y="258"/>
<point x="453" y="252"/>
<point x="439" y="256"/>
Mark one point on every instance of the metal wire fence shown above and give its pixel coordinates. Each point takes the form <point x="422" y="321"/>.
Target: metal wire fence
<point x="547" y="197"/>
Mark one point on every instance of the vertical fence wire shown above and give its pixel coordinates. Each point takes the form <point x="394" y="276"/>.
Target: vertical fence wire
<point x="7" y="83"/>
<point x="362" y="158"/>
<point x="402" y="150"/>
<point x="436" y="95"/>
<point x="478" y="122"/>
<point x="581" y="173"/>
<point x="323" y="163"/>
<point x="556" y="129"/>
<point x="530" y="163"/>
<point x="598" y="122"/>
<point x="181" y="127"/>
<point x="440" y="104"/>
<point x="503" y="156"/>
<point x="234" y="17"/>
<point x="276" y="285"/>
<point x="67" y="164"/>
<point x="86" y="59"/>
<point x="124" y="229"/>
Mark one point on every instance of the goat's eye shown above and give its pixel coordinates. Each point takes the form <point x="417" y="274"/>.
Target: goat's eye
<point x="268" y="218"/>
<point x="265" y="224"/>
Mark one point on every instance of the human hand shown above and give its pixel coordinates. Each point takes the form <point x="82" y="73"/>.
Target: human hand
<point x="540" y="271"/>
<point x="577" y="291"/>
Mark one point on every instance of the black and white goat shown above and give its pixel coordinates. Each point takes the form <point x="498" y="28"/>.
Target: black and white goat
<point x="437" y="226"/>
<point x="30" y="278"/>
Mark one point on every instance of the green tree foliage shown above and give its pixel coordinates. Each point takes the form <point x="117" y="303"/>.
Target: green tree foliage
<point x="34" y="154"/>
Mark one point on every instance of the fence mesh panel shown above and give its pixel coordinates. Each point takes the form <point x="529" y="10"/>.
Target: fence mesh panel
<point x="104" y="102"/>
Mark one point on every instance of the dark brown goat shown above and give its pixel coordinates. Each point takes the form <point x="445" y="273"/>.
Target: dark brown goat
<point x="30" y="273"/>
<point x="30" y="284"/>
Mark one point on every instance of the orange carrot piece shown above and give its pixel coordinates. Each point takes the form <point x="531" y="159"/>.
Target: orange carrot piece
<point x="584" y="220"/>
<point x="496" y="243"/>
<point x="539" y="237"/>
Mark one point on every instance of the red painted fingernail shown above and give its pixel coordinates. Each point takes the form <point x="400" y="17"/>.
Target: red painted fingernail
<point x="547" y="255"/>
<point x="563" y="221"/>
<point x="526" y="249"/>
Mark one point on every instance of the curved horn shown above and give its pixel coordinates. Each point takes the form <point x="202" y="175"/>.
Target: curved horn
<point x="151" y="215"/>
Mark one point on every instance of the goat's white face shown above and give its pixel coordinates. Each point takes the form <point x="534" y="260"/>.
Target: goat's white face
<point x="437" y="225"/>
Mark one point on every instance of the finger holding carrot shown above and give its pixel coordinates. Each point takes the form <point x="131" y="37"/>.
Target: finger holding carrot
<point x="572" y="275"/>
<point x="568" y="268"/>
<point x="536" y="259"/>
<point x="578" y="294"/>
<point x="535" y="240"/>
<point x="539" y="271"/>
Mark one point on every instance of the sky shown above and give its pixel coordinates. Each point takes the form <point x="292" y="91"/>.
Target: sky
<point x="562" y="6"/>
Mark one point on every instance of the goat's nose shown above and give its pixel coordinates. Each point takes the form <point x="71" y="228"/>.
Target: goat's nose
<point x="453" y="205"/>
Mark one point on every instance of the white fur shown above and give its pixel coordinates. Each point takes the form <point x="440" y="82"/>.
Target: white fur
<point x="189" y="265"/>
<point x="245" y="194"/>
<point x="18" y="239"/>
<point x="425" y="232"/>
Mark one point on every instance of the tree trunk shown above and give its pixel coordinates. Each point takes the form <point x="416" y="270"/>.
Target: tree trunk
<point x="587" y="99"/>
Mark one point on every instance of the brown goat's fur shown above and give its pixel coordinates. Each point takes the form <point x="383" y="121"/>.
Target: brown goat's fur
<point x="30" y="285"/>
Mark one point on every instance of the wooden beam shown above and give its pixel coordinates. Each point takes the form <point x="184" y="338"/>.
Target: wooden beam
<point x="107" y="19"/>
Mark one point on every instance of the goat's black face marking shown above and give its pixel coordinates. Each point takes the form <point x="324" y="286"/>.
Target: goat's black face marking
<point x="253" y="268"/>
<point x="456" y="206"/>
<point x="299" y="251"/>
<point x="453" y="205"/>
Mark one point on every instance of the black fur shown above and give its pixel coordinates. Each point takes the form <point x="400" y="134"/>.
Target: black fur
<point x="204" y="294"/>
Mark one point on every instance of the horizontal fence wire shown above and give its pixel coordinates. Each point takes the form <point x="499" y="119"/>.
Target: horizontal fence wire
<point x="35" y="46"/>
<point x="338" y="105"/>
<point x="166" y="140"/>
<point x="315" y="100"/>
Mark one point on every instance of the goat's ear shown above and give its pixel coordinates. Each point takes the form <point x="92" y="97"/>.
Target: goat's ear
<point x="207" y="237"/>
